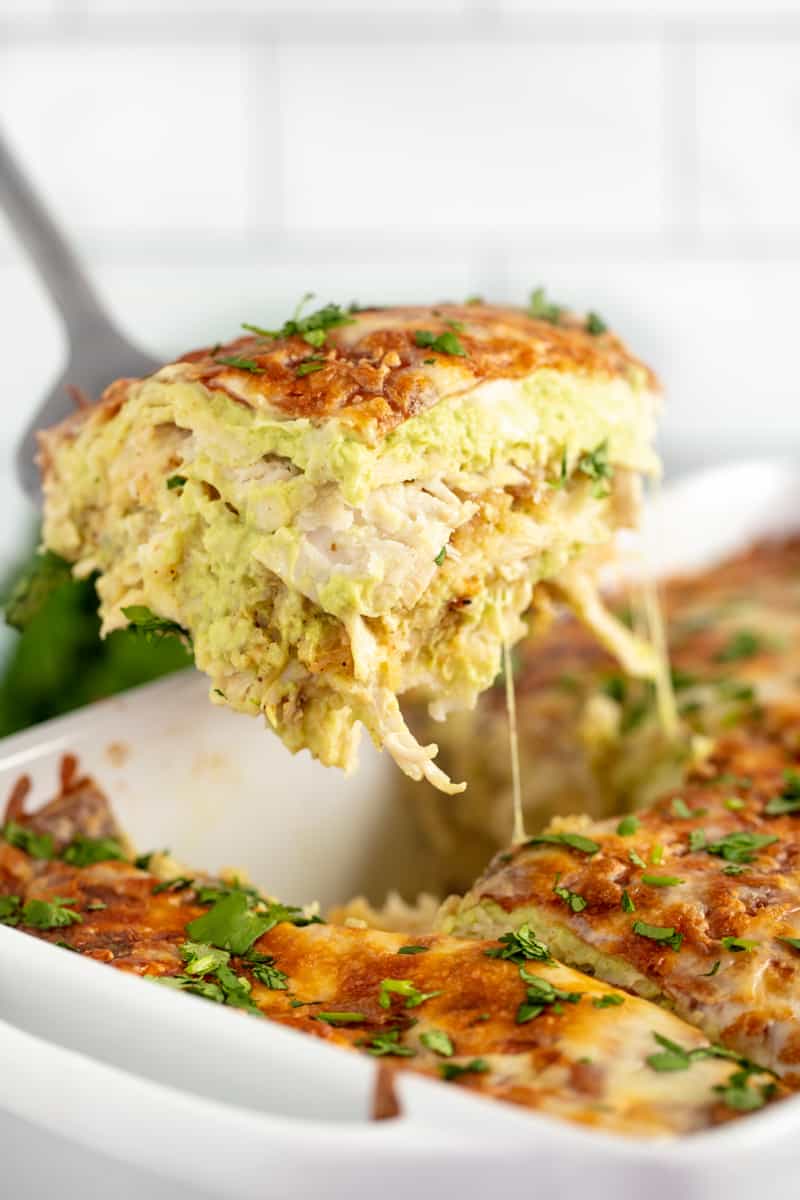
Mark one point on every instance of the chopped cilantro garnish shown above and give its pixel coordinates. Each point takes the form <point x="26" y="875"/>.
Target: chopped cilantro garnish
<point x="713" y="971"/>
<point x="10" y="910"/>
<point x="671" y="1058"/>
<point x="232" y="924"/>
<point x="595" y="466"/>
<point x="541" y="994"/>
<point x="264" y="970"/>
<point x="628" y="825"/>
<point x="444" y="343"/>
<point x="595" y="324"/>
<point x="541" y="309"/>
<point x="177" y="884"/>
<point x="627" y="904"/>
<point x="83" y="851"/>
<point x="202" y="959"/>
<point x="519" y="946"/>
<point x="738" y="944"/>
<point x="734" y="868"/>
<point x="659" y="933"/>
<point x="386" y="1043"/>
<point x="441" y="556"/>
<point x="413" y="950"/>
<point x="176" y="481"/>
<point x="734" y="804"/>
<point x="662" y="880"/>
<point x="451" y="1071"/>
<point x="438" y="1041"/>
<point x="697" y="839"/>
<point x="789" y="799"/>
<point x="575" y="841"/>
<point x="738" y="1093"/>
<point x="309" y="365"/>
<point x="37" y="845"/>
<point x="339" y="1018"/>
<point x="636" y="858"/>
<point x="572" y="899"/>
<point x="243" y="364"/>
<point x="313" y="329"/>
<point x="226" y="987"/>
<point x="741" y="846"/>
<point x="405" y="988"/>
<point x="790" y="941"/>
<point x="609" y="1000"/>
<point x="41" y="914"/>
<point x="680" y="808"/>
<point x="742" y="644"/>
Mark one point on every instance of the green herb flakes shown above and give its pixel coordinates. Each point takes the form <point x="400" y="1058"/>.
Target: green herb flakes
<point x="609" y="1000"/>
<point x="573" y="841"/>
<point x="789" y="799"/>
<point x="627" y="904"/>
<point x="541" y="309"/>
<point x="404" y="988"/>
<point x="737" y="944"/>
<point x="83" y="851"/>
<point x="659" y="933"/>
<point x="572" y="899"/>
<point x="438" y="1041"/>
<point x="452" y="1071"/>
<point x="242" y="364"/>
<point x="232" y="924"/>
<point x="743" y="644"/>
<point x="740" y="847"/>
<point x="385" y="1044"/>
<point x="37" y="845"/>
<point x="628" y="826"/>
<point x="41" y="914"/>
<point x="522" y="945"/>
<point x="340" y="1018"/>
<point x="443" y="343"/>
<point x="413" y="950"/>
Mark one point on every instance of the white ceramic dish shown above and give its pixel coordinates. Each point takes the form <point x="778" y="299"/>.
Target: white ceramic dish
<point x="146" y="1092"/>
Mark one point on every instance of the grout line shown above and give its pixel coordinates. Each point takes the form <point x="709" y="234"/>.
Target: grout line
<point x="476" y="23"/>
<point x="277" y="246"/>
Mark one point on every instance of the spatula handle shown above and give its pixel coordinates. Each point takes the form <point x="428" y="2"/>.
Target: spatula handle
<point x="69" y="287"/>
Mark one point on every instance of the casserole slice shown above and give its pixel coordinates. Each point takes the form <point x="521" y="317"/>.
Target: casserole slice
<point x="358" y="504"/>
<point x="693" y="903"/>
<point x="499" y="1017"/>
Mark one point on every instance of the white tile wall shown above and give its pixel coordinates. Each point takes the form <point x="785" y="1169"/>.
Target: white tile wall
<point x="437" y="138"/>
<point x="214" y="159"/>
<point x="748" y="136"/>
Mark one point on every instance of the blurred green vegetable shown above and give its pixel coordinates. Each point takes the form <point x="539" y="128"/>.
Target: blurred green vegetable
<point x="58" y="661"/>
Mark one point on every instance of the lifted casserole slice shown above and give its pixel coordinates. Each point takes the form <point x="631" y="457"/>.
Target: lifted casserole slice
<point x="693" y="903"/>
<point x="499" y="1017"/>
<point x="357" y="504"/>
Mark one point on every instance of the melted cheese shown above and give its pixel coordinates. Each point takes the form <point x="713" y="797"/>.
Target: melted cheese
<point x="518" y="825"/>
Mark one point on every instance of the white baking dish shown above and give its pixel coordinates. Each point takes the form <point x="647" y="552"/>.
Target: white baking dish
<point x="139" y="1090"/>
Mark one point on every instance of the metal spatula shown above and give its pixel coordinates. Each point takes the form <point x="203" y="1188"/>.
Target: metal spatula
<point x="98" y="352"/>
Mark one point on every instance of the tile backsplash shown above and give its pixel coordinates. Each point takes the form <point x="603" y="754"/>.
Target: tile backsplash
<point x="215" y="160"/>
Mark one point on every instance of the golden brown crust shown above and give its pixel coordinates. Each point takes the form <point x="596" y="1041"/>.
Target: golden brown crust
<point x="372" y="375"/>
<point x="376" y="376"/>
